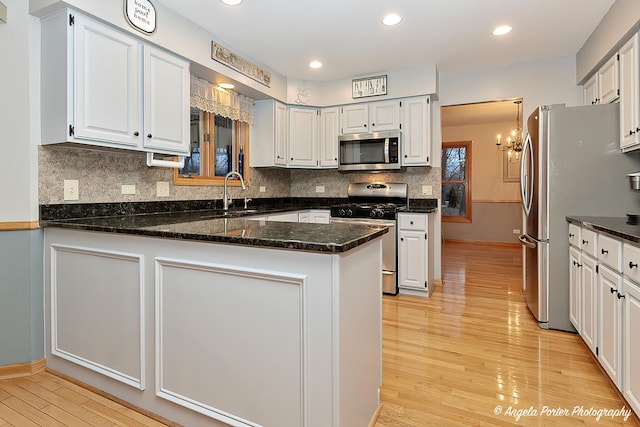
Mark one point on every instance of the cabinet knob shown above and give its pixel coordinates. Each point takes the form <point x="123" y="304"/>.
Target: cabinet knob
<point x="136" y="133"/>
<point x="373" y="124"/>
<point x="402" y="239"/>
<point x="632" y="265"/>
<point x="405" y="156"/>
<point x="620" y="295"/>
<point x="637" y="129"/>
<point x="411" y="222"/>
<point x="571" y="235"/>
<point x="336" y="159"/>
<point x="631" y="132"/>
<point x="292" y="158"/>
<point x="612" y="290"/>
<point x="584" y="242"/>
<point x="149" y="135"/>
<point x="604" y="251"/>
<point x="365" y="125"/>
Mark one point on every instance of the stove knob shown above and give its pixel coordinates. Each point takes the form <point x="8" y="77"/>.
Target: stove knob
<point x="380" y="213"/>
<point x="349" y="212"/>
<point x="341" y="212"/>
<point x="372" y="213"/>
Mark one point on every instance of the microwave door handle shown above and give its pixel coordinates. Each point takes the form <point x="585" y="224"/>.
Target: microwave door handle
<point x="386" y="150"/>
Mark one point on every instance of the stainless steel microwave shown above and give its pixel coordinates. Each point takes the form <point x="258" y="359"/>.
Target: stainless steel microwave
<point x="369" y="151"/>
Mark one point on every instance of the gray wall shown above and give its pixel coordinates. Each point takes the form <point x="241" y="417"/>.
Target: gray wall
<point x="21" y="304"/>
<point x="492" y="222"/>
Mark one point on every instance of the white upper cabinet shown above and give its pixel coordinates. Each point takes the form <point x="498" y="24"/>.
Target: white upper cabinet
<point x="268" y="134"/>
<point x="590" y="90"/>
<point x="303" y="137"/>
<point x="384" y="116"/>
<point x="329" y="131"/>
<point x="609" y="81"/>
<point x="108" y="74"/>
<point x="416" y="131"/>
<point x="604" y="86"/>
<point x="93" y="93"/>
<point x="629" y="96"/>
<point x="370" y="117"/>
<point x="166" y="101"/>
<point x="354" y="118"/>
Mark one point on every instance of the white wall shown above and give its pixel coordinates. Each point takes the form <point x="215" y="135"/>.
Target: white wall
<point x="19" y="113"/>
<point x="538" y="83"/>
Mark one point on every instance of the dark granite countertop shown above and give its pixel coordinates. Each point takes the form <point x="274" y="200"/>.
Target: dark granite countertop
<point x="232" y="228"/>
<point x="615" y="226"/>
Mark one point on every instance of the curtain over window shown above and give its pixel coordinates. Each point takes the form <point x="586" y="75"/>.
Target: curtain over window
<point x="211" y="98"/>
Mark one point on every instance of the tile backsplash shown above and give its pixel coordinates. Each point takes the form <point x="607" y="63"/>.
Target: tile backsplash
<point x="101" y="173"/>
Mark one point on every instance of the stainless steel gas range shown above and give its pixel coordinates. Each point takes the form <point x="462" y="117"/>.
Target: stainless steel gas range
<point x="376" y="204"/>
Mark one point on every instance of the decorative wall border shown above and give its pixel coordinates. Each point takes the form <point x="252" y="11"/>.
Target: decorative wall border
<point x="276" y="276"/>
<point x="232" y="60"/>
<point x="139" y="382"/>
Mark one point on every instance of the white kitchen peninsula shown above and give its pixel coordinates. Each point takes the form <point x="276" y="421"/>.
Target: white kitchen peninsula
<point x="223" y="331"/>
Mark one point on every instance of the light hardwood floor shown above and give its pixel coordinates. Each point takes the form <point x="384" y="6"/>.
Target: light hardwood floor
<point x="450" y="360"/>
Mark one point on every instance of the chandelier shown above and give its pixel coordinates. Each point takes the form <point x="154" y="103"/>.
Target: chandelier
<point x="514" y="141"/>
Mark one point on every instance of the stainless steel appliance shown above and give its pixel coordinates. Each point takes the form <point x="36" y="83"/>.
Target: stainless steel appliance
<point x="571" y="165"/>
<point x="376" y="204"/>
<point x="369" y="151"/>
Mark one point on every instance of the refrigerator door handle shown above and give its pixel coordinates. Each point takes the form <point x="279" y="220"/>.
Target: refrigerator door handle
<point x="526" y="181"/>
<point x="527" y="242"/>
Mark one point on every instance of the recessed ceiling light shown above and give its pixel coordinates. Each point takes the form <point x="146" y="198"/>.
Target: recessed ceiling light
<point x="501" y="30"/>
<point x="231" y="2"/>
<point x="391" y="19"/>
<point x="226" y="85"/>
<point x="315" y="64"/>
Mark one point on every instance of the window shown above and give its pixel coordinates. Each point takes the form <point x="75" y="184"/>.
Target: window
<point x="456" y="181"/>
<point x="220" y="121"/>
<point x="219" y="145"/>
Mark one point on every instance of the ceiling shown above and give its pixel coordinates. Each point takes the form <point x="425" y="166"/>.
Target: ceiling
<point x="480" y="113"/>
<point x="348" y="38"/>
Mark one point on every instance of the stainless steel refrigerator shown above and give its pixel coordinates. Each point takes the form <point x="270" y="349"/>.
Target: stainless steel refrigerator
<point x="571" y="165"/>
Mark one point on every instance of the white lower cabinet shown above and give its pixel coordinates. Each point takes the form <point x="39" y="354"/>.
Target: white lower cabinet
<point x="609" y="331"/>
<point x="414" y="256"/>
<point x="631" y="344"/>
<point x="315" y="216"/>
<point x="604" y="304"/>
<point x="589" y="282"/>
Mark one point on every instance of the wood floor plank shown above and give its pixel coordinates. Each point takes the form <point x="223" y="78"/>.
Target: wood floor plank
<point x="14" y="417"/>
<point x="36" y="415"/>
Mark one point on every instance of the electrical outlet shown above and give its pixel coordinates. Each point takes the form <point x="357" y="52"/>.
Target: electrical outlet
<point x="128" y="189"/>
<point x="516" y="231"/>
<point x="263" y="189"/>
<point x="427" y="190"/>
<point x="162" y="189"/>
<point x="71" y="189"/>
<point x="319" y="188"/>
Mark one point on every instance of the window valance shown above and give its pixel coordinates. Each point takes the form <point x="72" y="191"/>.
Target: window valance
<point x="211" y="98"/>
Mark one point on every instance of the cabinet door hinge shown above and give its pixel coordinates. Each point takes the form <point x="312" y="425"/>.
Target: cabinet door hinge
<point x="72" y="20"/>
<point x="428" y="100"/>
<point x="596" y="351"/>
<point x="401" y="103"/>
<point x="425" y="236"/>
<point x="597" y="270"/>
<point x="400" y="125"/>
<point x="71" y="130"/>
<point x="618" y="57"/>
<point x="425" y="283"/>
<point x="618" y="92"/>
<point x="427" y="159"/>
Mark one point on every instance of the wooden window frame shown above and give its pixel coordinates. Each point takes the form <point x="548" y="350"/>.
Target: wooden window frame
<point x="467" y="218"/>
<point x="241" y="132"/>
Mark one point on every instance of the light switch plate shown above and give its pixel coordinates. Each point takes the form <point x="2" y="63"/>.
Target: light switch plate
<point x="427" y="190"/>
<point x="71" y="189"/>
<point x="319" y="188"/>
<point x="128" y="189"/>
<point x="263" y="189"/>
<point x="162" y="189"/>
